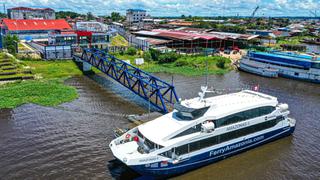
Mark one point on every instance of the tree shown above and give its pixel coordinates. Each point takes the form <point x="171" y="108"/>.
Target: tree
<point x="147" y="56"/>
<point x="221" y="63"/>
<point x="168" y="57"/>
<point x="154" y="54"/>
<point x="90" y="16"/>
<point x="65" y="14"/>
<point x="183" y="16"/>
<point x="3" y="15"/>
<point x="11" y="43"/>
<point x="115" y="16"/>
<point x="131" y="51"/>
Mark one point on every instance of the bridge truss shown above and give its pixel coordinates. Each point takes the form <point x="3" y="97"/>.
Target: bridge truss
<point x="159" y="93"/>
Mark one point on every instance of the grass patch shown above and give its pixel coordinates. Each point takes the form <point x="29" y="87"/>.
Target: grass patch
<point x="54" y="69"/>
<point x="184" y="65"/>
<point x="45" y="93"/>
<point x="48" y="90"/>
<point x="118" y="41"/>
<point x="292" y="40"/>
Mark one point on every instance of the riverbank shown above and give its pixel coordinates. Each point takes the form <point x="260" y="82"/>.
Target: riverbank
<point x="11" y="69"/>
<point x="47" y="88"/>
<point x="187" y="65"/>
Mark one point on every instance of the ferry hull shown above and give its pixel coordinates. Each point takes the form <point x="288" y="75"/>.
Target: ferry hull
<point x="159" y="170"/>
<point x="260" y="72"/>
<point x="299" y="78"/>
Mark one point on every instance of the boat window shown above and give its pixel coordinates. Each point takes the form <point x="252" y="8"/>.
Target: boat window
<point x="184" y="149"/>
<point x="167" y="153"/>
<point x="204" y="143"/>
<point x="148" y="143"/>
<point x="184" y="113"/>
<point x="140" y="134"/>
<point x="244" y="115"/>
<point x="191" y="130"/>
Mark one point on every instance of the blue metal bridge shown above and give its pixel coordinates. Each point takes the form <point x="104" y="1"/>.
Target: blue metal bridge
<point x="159" y="93"/>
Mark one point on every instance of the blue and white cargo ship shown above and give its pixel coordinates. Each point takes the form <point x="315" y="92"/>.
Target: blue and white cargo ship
<point x="284" y="64"/>
<point x="201" y="131"/>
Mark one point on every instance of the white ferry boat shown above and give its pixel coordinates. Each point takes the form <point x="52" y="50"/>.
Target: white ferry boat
<point x="284" y="64"/>
<point x="201" y="131"/>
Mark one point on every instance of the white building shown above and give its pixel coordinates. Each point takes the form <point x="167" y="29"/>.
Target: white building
<point x="135" y="15"/>
<point x="31" y="13"/>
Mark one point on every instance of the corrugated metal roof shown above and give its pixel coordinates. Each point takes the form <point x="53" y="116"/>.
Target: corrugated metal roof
<point x="36" y="24"/>
<point x="154" y="41"/>
<point x="192" y="35"/>
<point x="146" y="33"/>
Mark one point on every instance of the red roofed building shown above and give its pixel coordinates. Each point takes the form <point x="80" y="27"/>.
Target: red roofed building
<point x="33" y="28"/>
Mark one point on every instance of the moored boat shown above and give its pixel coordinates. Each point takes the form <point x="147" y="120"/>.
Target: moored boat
<point x="285" y="64"/>
<point x="201" y="131"/>
<point x="259" y="69"/>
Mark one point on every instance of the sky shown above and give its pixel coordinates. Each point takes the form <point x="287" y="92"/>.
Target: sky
<point x="178" y="7"/>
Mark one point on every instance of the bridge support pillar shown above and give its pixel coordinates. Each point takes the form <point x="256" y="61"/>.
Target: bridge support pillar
<point x="86" y="66"/>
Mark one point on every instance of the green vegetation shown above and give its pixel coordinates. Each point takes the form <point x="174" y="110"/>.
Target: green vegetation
<point x="221" y="27"/>
<point x="10" y="69"/>
<point x="47" y="89"/>
<point x="65" y="14"/>
<point x="46" y="93"/>
<point x="131" y="51"/>
<point x="11" y="43"/>
<point x="54" y="69"/>
<point x="118" y="41"/>
<point x="291" y="40"/>
<point x="3" y="15"/>
<point x="90" y="16"/>
<point x="115" y="16"/>
<point x="189" y="65"/>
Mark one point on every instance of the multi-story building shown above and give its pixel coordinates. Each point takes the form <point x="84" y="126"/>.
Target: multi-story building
<point x="31" y="13"/>
<point x="135" y="15"/>
<point x="32" y="29"/>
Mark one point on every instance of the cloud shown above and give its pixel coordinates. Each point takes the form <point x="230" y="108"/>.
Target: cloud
<point x="178" y="7"/>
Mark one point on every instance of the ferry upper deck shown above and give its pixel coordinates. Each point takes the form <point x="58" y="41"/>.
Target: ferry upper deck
<point x="163" y="129"/>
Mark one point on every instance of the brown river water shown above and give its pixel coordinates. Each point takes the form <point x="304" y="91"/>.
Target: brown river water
<point x="71" y="141"/>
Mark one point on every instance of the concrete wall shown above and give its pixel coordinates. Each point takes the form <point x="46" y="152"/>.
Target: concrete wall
<point x="31" y="14"/>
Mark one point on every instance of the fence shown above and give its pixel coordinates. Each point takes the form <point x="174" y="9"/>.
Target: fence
<point x="133" y="40"/>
